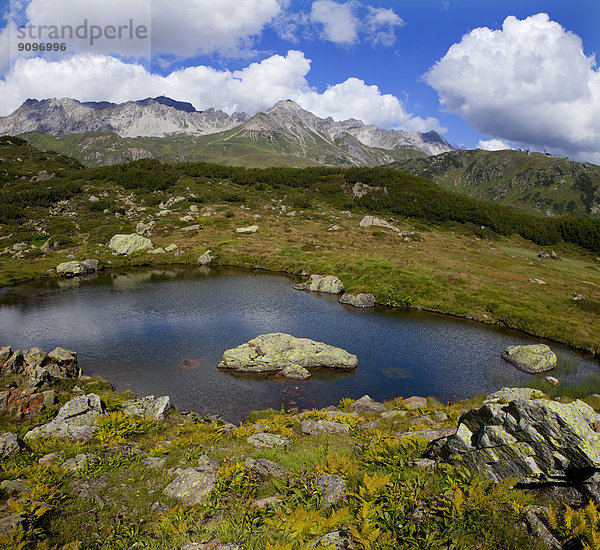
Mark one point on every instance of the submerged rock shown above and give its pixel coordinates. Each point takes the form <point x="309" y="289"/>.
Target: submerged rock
<point x="328" y="284"/>
<point x="295" y="372"/>
<point x="531" y="359"/>
<point x="276" y="351"/>
<point x="358" y="300"/>
<point x="129" y="244"/>
<point x="536" y="442"/>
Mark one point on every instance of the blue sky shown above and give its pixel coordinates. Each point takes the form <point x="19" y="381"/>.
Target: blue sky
<point x="458" y="67"/>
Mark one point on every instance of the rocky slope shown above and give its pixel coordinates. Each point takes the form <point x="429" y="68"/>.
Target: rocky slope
<point x="286" y="134"/>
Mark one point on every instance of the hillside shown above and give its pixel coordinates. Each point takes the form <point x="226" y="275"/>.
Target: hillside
<point x="531" y="182"/>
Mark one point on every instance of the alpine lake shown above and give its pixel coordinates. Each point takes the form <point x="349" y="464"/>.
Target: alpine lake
<point x="162" y="331"/>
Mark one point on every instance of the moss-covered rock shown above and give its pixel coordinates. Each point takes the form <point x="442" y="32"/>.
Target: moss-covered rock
<point x="276" y="351"/>
<point x="531" y="359"/>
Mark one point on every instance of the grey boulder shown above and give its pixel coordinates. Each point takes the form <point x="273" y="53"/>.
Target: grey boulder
<point x="191" y="487"/>
<point x="328" y="284"/>
<point x="358" y="300"/>
<point x="75" y="420"/>
<point x="148" y="407"/>
<point x="531" y="359"/>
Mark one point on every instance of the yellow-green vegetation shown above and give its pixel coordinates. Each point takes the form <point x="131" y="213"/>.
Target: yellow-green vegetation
<point x="114" y="498"/>
<point x="460" y="256"/>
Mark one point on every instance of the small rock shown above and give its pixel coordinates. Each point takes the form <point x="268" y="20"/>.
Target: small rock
<point x="13" y="486"/>
<point x="159" y="507"/>
<point x="334" y="489"/>
<point x="79" y="461"/>
<point x="552" y="380"/>
<point x="358" y="300"/>
<point x="159" y="250"/>
<point x="440" y="416"/>
<point x="265" y="468"/>
<point x="207" y="464"/>
<point x="422" y="463"/>
<point x="206" y="258"/>
<point x="148" y="407"/>
<point x="393" y="414"/>
<point x="11" y="524"/>
<point x="263" y="503"/>
<point x="129" y="244"/>
<point x="50" y="458"/>
<point x="195" y="227"/>
<point x="93" y="199"/>
<point x="171" y="248"/>
<point x="247" y="230"/>
<point x="9" y="445"/>
<point x="191" y="487"/>
<point x="535" y="518"/>
<point x="415" y="402"/>
<point x="262" y="440"/>
<point x="537" y="281"/>
<point x="365" y="405"/>
<point x="328" y="284"/>
<point x="428" y="435"/>
<point x="316" y="427"/>
<point x="155" y="462"/>
<point x="333" y="227"/>
<point x="295" y="372"/>
<point x="336" y="540"/>
<point x="506" y="395"/>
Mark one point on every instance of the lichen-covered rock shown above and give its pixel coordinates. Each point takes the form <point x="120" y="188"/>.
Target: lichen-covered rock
<point x="295" y="372"/>
<point x="531" y="359"/>
<point x="15" y="364"/>
<point x="317" y="427"/>
<point x="358" y="300"/>
<point x="506" y="395"/>
<point x="334" y="489"/>
<point x="75" y="420"/>
<point x="148" y="407"/>
<point x="129" y="244"/>
<point x="247" y="230"/>
<point x="77" y="268"/>
<point x="265" y="440"/>
<point x="5" y="353"/>
<point x="537" y="441"/>
<point x="9" y="445"/>
<point x="191" y="487"/>
<point x="328" y="284"/>
<point x="336" y="540"/>
<point x="365" y="405"/>
<point x="373" y="221"/>
<point x="415" y="402"/>
<point x="63" y="364"/>
<point x="276" y="351"/>
<point x="264" y="468"/>
<point x="206" y="258"/>
<point x="11" y="524"/>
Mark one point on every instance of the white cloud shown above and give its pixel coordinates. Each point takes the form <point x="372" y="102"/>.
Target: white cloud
<point x="355" y="99"/>
<point x="347" y="23"/>
<point x="340" y="25"/>
<point x="529" y="83"/>
<point x="381" y="25"/>
<point x="493" y="145"/>
<point x="256" y="87"/>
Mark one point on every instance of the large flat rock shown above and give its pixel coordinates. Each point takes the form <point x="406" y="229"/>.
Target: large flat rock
<point x="277" y="351"/>
<point x="531" y="359"/>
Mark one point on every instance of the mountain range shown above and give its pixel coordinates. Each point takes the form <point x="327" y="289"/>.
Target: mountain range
<point x="100" y="133"/>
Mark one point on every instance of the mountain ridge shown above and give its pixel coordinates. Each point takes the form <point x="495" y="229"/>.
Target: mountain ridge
<point x="286" y="127"/>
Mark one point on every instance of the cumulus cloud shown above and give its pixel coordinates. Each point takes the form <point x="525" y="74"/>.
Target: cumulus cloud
<point x="90" y="77"/>
<point x="493" y="145"/>
<point x="529" y="83"/>
<point x="338" y="21"/>
<point x="345" y="23"/>
<point x="381" y="24"/>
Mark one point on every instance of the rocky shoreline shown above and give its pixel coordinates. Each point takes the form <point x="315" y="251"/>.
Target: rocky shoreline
<point x="551" y="447"/>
